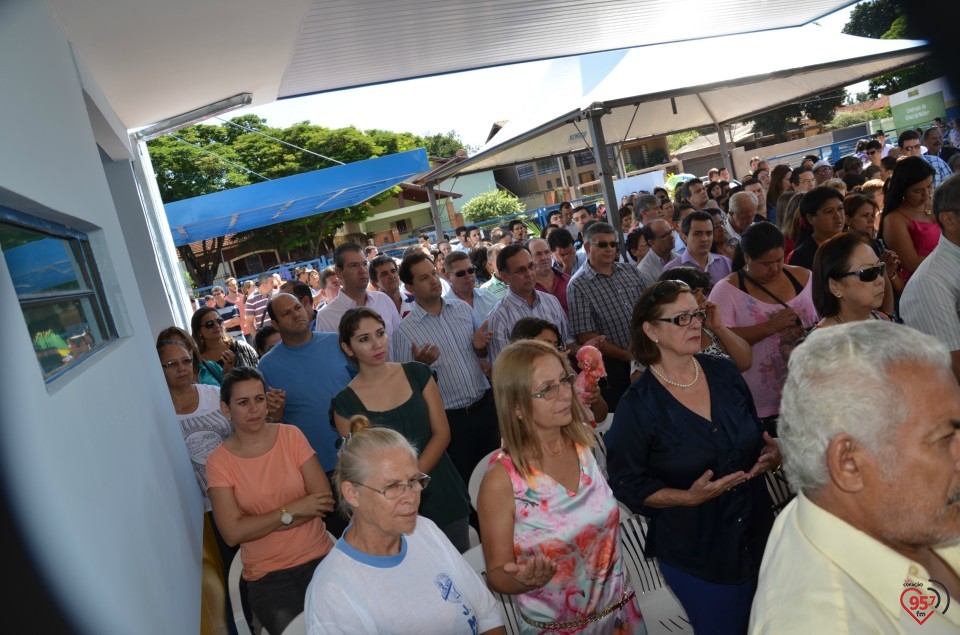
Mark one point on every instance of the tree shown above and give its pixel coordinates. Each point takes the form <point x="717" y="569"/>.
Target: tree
<point x="203" y="159"/>
<point x="443" y="145"/>
<point x="490" y="205"/>
<point x="885" y="19"/>
<point x="777" y="122"/>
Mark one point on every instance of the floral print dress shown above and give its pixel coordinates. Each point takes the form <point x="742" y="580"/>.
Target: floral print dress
<point x="580" y="532"/>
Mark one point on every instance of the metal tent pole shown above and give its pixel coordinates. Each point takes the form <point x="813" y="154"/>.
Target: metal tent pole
<point x="434" y="213"/>
<point x="606" y="170"/>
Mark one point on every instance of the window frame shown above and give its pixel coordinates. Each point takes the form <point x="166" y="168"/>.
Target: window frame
<point x="81" y="250"/>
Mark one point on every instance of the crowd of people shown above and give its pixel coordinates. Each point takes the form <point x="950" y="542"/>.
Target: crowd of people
<point x="803" y="323"/>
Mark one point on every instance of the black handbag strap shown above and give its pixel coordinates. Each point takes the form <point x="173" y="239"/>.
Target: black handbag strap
<point x="743" y="274"/>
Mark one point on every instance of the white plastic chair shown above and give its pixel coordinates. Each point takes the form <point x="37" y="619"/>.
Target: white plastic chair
<point x="476" y="477"/>
<point x="233" y="588"/>
<point x="508" y="606"/>
<point x="662" y="612"/>
<point x="779" y="491"/>
<point x="297" y="627"/>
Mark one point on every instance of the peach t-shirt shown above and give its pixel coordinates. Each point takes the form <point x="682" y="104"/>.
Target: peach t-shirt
<point x="265" y="484"/>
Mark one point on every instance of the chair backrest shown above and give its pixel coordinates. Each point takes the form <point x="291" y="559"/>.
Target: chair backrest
<point x="644" y="571"/>
<point x="297" y="627"/>
<point x="509" y="609"/>
<point x="476" y="477"/>
<point x="779" y="490"/>
<point x="233" y="588"/>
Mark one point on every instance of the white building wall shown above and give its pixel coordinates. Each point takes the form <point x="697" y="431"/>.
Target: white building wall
<point x="93" y="463"/>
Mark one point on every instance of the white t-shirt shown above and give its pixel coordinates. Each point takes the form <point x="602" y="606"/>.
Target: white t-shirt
<point x="203" y="430"/>
<point x="427" y="588"/>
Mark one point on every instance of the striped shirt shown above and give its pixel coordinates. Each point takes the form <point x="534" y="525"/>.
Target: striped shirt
<point x="931" y="299"/>
<point x="258" y="305"/>
<point x="459" y="377"/>
<point x="604" y="304"/>
<point x="512" y="307"/>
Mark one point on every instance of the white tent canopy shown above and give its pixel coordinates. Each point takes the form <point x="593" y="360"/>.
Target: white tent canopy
<point x="654" y="91"/>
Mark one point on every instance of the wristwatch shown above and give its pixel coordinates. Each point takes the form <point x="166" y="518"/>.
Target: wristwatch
<point x="285" y="517"/>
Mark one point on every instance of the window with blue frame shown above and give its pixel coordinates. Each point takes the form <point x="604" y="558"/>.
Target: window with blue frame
<point x="58" y="288"/>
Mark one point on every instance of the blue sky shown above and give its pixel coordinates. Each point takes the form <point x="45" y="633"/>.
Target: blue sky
<point x="467" y="102"/>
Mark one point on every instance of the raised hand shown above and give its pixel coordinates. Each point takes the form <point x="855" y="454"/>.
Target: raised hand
<point x="769" y="458"/>
<point x="703" y="489"/>
<point x="426" y="355"/>
<point x="482" y="337"/>
<point x="531" y="572"/>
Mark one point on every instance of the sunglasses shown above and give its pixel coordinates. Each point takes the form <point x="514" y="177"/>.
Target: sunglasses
<point x="469" y="271"/>
<point x="665" y="288"/>
<point x="602" y="244"/>
<point x="209" y="324"/>
<point x="867" y="274"/>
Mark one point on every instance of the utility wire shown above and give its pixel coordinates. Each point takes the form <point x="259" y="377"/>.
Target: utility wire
<point x="227" y="161"/>
<point x="296" y="147"/>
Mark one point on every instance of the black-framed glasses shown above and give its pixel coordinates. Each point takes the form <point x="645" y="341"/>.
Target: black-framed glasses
<point x="469" y="271"/>
<point x="665" y="288"/>
<point x="603" y="244"/>
<point x="552" y="392"/>
<point x="209" y="324"/>
<point x="684" y="319"/>
<point x="867" y="274"/>
<point x="392" y="492"/>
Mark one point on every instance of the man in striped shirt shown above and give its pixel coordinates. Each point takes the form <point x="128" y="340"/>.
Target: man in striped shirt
<point x="931" y="299"/>
<point x="444" y="334"/>
<point x="517" y="268"/>
<point x="256" y="309"/>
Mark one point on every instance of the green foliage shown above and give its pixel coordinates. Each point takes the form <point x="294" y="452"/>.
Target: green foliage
<point x="443" y="145"/>
<point x="848" y="119"/>
<point x="778" y="121"/>
<point x="492" y="204"/>
<point x="885" y="19"/>
<point x="657" y="156"/>
<point x="872" y="19"/>
<point x="214" y="157"/>
<point x="677" y="141"/>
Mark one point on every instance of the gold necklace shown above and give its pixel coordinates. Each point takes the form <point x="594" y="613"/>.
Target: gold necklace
<point x="696" y="375"/>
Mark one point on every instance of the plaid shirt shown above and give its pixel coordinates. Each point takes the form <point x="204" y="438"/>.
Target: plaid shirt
<point x="941" y="170"/>
<point x="512" y="307"/>
<point x="604" y="304"/>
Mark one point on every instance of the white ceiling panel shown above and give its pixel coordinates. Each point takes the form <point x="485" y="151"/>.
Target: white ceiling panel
<point x="154" y="59"/>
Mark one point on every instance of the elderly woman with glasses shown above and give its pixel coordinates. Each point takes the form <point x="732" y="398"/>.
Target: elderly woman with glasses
<point x="206" y="327"/>
<point x="549" y="521"/>
<point x="684" y="448"/>
<point x="392" y="571"/>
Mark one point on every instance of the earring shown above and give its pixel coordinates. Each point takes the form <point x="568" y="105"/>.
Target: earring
<point x="839" y="296"/>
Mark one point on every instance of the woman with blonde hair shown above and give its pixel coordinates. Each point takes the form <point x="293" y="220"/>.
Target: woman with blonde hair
<point x="549" y="521"/>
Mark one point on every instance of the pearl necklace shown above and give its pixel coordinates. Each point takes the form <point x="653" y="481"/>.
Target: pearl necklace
<point x="696" y="376"/>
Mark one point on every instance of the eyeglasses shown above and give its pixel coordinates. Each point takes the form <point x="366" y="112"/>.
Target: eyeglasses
<point x="684" y="319"/>
<point x="176" y="363"/>
<point x="602" y="244"/>
<point x="469" y="271"/>
<point x="551" y="393"/>
<point x="392" y="492"/>
<point x="210" y="323"/>
<point x="665" y="288"/>
<point x="911" y="148"/>
<point x="867" y="274"/>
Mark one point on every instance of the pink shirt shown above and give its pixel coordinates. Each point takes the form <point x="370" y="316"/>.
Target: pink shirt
<point x="263" y="485"/>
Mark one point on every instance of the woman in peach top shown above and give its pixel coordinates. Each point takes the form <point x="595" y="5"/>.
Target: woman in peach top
<point x="269" y="495"/>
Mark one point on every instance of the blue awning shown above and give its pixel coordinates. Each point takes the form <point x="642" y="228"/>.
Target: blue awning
<point x="289" y="198"/>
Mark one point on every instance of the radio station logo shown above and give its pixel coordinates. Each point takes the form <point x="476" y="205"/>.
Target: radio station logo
<point x="921" y="601"/>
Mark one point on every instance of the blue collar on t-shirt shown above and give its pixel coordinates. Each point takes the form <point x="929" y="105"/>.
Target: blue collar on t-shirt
<point x="380" y="562"/>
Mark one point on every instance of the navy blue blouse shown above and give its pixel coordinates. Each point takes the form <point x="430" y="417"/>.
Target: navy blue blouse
<point x="656" y="442"/>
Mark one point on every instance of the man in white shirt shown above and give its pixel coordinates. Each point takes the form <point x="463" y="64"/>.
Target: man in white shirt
<point x="870" y="545"/>
<point x="659" y="235"/>
<point x="462" y="276"/>
<point x="351" y="267"/>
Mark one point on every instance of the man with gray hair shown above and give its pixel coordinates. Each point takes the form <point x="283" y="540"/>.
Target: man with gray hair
<point x="743" y="213"/>
<point x="869" y="435"/>
<point x="647" y="209"/>
<point x="931" y="299"/>
<point x="601" y="298"/>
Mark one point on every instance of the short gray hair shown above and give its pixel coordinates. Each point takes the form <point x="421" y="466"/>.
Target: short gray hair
<point x="838" y="382"/>
<point x="646" y="202"/>
<point x="597" y="228"/>
<point x="947" y="197"/>
<point x="737" y="200"/>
